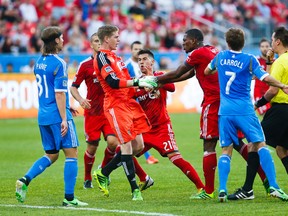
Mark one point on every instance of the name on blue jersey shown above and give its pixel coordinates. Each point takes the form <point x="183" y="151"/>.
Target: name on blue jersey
<point x="231" y="62"/>
<point x="41" y="66"/>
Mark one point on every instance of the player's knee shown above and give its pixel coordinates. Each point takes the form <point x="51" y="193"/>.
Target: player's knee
<point x="52" y="156"/>
<point x="112" y="142"/>
<point x="138" y="149"/>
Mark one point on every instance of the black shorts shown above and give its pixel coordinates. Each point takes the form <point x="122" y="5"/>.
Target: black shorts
<point x="275" y="125"/>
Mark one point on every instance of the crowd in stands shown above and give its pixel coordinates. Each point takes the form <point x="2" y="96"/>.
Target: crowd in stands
<point x="158" y="24"/>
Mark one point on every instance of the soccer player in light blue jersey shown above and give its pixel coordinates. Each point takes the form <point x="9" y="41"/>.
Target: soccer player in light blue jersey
<point x="236" y="112"/>
<point x="55" y="121"/>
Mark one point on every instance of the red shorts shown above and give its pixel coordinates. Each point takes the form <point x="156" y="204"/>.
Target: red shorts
<point x="94" y="125"/>
<point x="160" y="138"/>
<point x="209" y="121"/>
<point x="127" y="120"/>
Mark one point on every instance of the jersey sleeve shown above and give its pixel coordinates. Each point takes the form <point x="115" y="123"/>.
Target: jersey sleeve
<point x="61" y="78"/>
<point x="257" y="69"/>
<point x="193" y="58"/>
<point x="213" y="64"/>
<point x="79" y="77"/>
<point x="104" y="65"/>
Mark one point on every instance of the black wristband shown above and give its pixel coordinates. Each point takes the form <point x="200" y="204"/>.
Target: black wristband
<point x="261" y="102"/>
<point x="269" y="63"/>
<point x="135" y="82"/>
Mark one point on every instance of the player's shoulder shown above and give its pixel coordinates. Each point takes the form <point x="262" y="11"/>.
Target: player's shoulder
<point x="86" y="62"/>
<point x="57" y="61"/>
<point x="128" y="62"/>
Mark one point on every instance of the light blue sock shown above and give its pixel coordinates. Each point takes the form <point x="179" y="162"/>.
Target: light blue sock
<point x="37" y="168"/>
<point x="70" y="175"/>
<point x="267" y="164"/>
<point x="223" y="170"/>
<point x="147" y="155"/>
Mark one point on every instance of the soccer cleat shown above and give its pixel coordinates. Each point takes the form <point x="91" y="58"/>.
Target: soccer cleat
<point x="278" y="193"/>
<point x="202" y="194"/>
<point x="102" y="181"/>
<point x="74" y="202"/>
<point x="146" y="184"/>
<point x="152" y="160"/>
<point x="21" y="190"/>
<point x="266" y="186"/>
<point x="241" y="194"/>
<point x="222" y="197"/>
<point x="136" y="195"/>
<point x="88" y="184"/>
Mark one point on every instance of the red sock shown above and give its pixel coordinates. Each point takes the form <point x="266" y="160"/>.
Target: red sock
<point x="244" y="152"/>
<point x="139" y="171"/>
<point x="88" y="163"/>
<point x="209" y="168"/>
<point x="108" y="155"/>
<point x="187" y="169"/>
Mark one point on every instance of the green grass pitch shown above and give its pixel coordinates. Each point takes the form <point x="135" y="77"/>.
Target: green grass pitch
<point x="20" y="146"/>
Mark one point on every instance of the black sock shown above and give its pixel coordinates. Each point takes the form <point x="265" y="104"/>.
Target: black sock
<point x="253" y="163"/>
<point x="112" y="165"/>
<point x="69" y="197"/>
<point x="128" y="165"/>
<point x="26" y="180"/>
<point x="285" y="163"/>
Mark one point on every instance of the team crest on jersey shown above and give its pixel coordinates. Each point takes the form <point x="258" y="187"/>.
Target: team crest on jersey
<point x="64" y="83"/>
<point x="121" y="65"/>
<point x="108" y="69"/>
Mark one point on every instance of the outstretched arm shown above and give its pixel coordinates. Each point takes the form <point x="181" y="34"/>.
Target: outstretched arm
<point x="275" y="85"/>
<point x="174" y="75"/>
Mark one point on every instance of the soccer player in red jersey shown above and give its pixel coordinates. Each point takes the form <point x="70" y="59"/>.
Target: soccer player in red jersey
<point x="260" y="88"/>
<point x="195" y="64"/>
<point x="124" y="114"/>
<point x="95" y="121"/>
<point x="161" y="136"/>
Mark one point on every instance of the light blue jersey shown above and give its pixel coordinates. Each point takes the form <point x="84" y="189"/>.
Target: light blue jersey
<point x="133" y="68"/>
<point x="51" y="76"/>
<point x="235" y="71"/>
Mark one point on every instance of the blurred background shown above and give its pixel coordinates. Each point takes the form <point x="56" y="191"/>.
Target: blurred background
<point x="158" y="24"/>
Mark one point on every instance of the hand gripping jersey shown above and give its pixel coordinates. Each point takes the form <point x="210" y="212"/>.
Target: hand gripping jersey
<point x="154" y="103"/>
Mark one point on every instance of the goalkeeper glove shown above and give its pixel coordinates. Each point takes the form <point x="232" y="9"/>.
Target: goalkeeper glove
<point x="147" y="81"/>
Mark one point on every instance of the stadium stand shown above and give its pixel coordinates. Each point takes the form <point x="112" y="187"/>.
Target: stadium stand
<point x="159" y="24"/>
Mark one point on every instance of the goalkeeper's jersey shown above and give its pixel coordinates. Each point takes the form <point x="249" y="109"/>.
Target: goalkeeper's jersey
<point x="106" y="63"/>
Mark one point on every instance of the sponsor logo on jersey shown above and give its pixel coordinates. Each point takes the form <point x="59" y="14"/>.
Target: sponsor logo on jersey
<point x="108" y="69"/>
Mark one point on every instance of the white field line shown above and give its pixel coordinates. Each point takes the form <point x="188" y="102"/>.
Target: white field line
<point x="88" y="209"/>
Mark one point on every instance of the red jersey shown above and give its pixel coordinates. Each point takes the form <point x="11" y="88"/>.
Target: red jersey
<point x="260" y="87"/>
<point x="153" y="106"/>
<point x="199" y="59"/>
<point x="95" y="92"/>
<point x="108" y="63"/>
